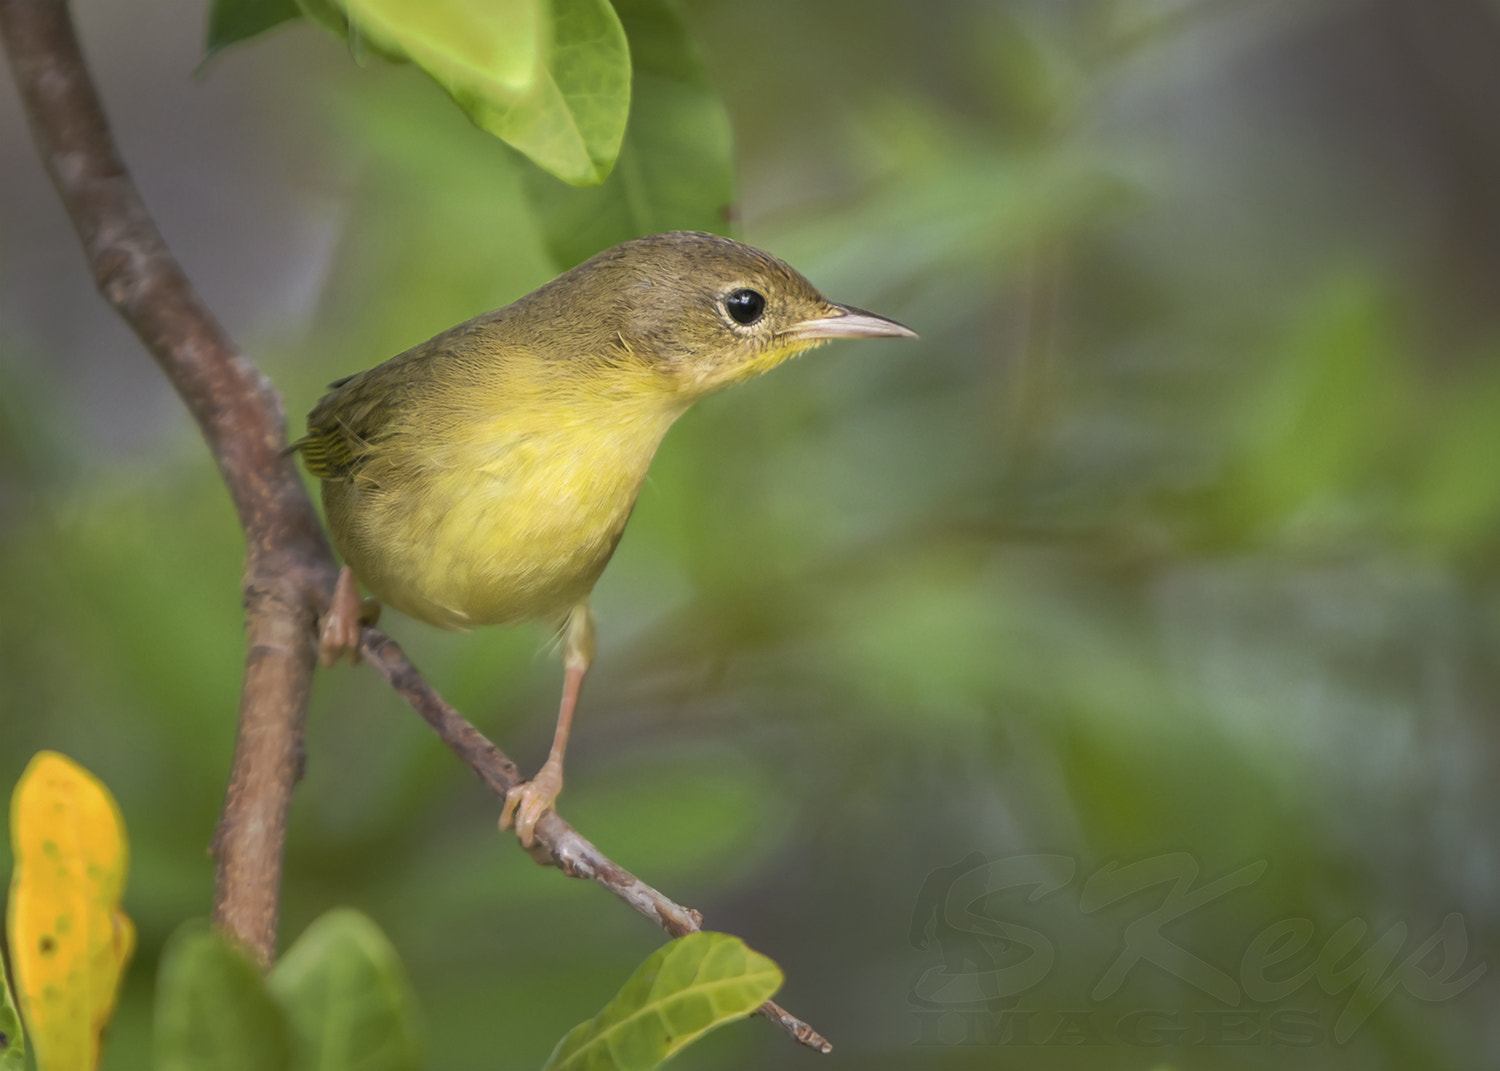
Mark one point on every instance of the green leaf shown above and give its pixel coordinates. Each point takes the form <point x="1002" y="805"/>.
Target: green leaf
<point x="683" y="990"/>
<point x="345" y="994"/>
<point x="327" y="14"/>
<point x="550" y="77"/>
<point x="232" y="21"/>
<point x="572" y="121"/>
<point x="212" y="1009"/>
<point x="12" y="1037"/>
<point x="481" y="47"/>
<point x="676" y="166"/>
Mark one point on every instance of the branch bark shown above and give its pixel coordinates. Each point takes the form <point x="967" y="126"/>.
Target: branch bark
<point x="557" y="843"/>
<point x="287" y="560"/>
<point x="289" y="568"/>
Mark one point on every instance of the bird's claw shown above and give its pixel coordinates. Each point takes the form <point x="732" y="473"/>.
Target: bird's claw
<point x="347" y="614"/>
<point x="526" y="803"/>
<point x="338" y="637"/>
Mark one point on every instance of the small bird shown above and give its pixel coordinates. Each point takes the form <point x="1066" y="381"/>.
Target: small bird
<point x="485" y="476"/>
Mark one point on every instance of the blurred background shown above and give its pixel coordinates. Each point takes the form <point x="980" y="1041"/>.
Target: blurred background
<point x="1106" y="680"/>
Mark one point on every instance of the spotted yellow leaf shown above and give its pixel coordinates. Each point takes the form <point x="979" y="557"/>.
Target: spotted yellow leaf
<point x="69" y="940"/>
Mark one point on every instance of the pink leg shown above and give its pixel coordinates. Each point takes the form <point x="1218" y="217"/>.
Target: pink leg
<point x="340" y="632"/>
<point x="526" y="803"/>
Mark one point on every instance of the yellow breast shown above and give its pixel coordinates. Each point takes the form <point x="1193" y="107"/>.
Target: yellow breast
<point x="494" y="518"/>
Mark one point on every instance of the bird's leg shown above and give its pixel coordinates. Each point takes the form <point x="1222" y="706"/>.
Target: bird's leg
<point x="525" y="804"/>
<point x="346" y="613"/>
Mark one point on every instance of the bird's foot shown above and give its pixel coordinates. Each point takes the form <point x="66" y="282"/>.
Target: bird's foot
<point x="526" y="803"/>
<point x="347" y="613"/>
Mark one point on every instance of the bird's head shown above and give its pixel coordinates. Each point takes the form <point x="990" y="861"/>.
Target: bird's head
<point x="705" y="311"/>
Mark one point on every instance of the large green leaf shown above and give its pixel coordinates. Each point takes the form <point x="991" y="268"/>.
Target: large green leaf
<point x="572" y="121"/>
<point x="489" y="48"/>
<point x="683" y="990"/>
<point x="212" y="1009"/>
<point x="550" y="77"/>
<point x="676" y="166"/>
<point x="232" y="21"/>
<point x="346" y="997"/>
<point x="12" y="1037"/>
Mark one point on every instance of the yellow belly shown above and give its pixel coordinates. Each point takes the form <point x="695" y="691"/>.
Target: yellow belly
<point x="505" y="526"/>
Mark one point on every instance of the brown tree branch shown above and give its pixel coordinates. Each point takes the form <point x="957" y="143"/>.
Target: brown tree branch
<point x="557" y="843"/>
<point x="287" y="560"/>
<point x="289" y="569"/>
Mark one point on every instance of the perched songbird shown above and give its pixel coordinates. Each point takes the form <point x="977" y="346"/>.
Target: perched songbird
<point x="485" y="476"/>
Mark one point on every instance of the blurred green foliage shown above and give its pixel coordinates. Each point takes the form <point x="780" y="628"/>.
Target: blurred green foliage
<point x="212" y="1007"/>
<point x="1173" y="539"/>
<point x="337" y="1000"/>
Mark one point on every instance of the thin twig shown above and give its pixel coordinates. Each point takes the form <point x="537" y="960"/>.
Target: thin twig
<point x="557" y="843"/>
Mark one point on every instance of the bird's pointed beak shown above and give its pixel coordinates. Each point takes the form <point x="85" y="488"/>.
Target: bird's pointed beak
<point x="845" y="321"/>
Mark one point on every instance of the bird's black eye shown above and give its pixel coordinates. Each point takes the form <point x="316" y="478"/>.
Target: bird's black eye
<point x="745" y="306"/>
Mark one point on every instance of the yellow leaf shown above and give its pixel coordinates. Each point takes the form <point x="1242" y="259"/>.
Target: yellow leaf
<point x="69" y="940"/>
